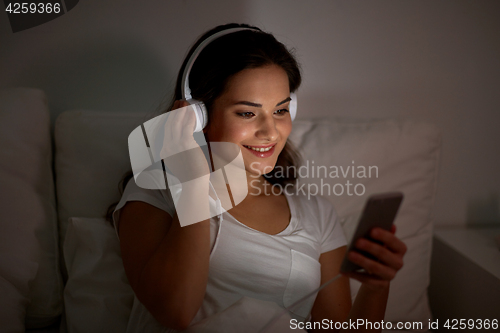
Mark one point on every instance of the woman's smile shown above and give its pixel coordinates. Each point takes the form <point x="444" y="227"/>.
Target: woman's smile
<point x="261" y="151"/>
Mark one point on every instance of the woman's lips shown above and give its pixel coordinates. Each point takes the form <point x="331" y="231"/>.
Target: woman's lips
<point x="261" y="154"/>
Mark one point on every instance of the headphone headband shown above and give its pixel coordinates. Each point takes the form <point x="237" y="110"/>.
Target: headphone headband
<point x="186" y="91"/>
<point x="199" y="107"/>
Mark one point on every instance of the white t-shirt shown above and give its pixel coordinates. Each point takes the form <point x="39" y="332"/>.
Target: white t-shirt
<point x="280" y="268"/>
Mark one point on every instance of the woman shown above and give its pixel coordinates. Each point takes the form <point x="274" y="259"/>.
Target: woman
<point x="270" y="247"/>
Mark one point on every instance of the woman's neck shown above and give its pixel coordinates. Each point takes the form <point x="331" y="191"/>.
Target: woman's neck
<point x="258" y="185"/>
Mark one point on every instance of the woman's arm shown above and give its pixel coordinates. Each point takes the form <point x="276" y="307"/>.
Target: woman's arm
<point x="371" y="299"/>
<point x="166" y="264"/>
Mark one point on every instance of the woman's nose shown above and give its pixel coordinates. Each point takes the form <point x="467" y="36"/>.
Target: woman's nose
<point x="267" y="129"/>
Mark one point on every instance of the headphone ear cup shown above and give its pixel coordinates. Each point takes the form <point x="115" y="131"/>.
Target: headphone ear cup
<point x="293" y="106"/>
<point x="200" y="111"/>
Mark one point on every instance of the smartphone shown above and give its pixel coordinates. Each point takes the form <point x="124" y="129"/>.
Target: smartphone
<point x="380" y="211"/>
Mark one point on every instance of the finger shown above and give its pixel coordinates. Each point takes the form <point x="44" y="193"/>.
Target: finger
<point x="383" y="254"/>
<point x="167" y="136"/>
<point x="182" y="127"/>
<point x="364" y="276"/>
<point x="375" y="268"/>
<point x="184" y="121"/>
<point x="180" y="103"/>
<point x="176" y="105"/>
<point x="393" y="229"/>
<point x="181" y="122"/>
<point x="188" y="121"/>
<point x="389" y="240"/>
<point x="173" y="129"/>
<point x="171" y="132"/>
<point x="178" y="131"/>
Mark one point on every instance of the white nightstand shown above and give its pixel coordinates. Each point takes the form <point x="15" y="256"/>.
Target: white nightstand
<point x="465" y="274"/>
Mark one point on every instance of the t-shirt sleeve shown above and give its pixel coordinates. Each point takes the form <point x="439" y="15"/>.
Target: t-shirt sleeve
<point x="158" y="198"/>
<point x="332" y="235"/>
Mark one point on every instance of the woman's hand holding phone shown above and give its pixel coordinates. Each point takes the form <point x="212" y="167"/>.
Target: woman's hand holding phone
<point x="388" y="251"/>
<point x="375" y="254"/>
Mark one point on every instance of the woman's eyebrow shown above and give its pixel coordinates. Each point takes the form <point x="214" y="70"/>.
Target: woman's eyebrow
<point x="284" y="101"/>
<point x="260" y="105"/>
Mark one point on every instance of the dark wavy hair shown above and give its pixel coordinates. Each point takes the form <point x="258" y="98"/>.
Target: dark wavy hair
<point x="222" y="59"/>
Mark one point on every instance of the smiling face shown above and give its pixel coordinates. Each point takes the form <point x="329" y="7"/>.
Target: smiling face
<point x="253" y="113"/>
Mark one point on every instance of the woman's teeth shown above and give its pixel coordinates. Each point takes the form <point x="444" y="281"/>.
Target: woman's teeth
<point x="259" y="149"/>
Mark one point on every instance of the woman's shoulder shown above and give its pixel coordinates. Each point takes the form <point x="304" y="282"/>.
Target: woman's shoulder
<point x="158" y="198"/>
<point x="318" y="216"/>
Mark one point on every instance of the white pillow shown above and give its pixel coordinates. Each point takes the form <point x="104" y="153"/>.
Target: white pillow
<point x="97" y="296"/>
<point x="28" y="225"/>
<point x="91" y="156"/>
<point x="406" y="155"/>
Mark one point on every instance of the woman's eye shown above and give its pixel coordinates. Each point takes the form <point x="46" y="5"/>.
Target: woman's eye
<point x="282" y="112"/>
<point x="246" y="114"/>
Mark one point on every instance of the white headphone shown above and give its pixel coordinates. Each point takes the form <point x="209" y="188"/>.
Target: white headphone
<point x="199" y="107"/>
